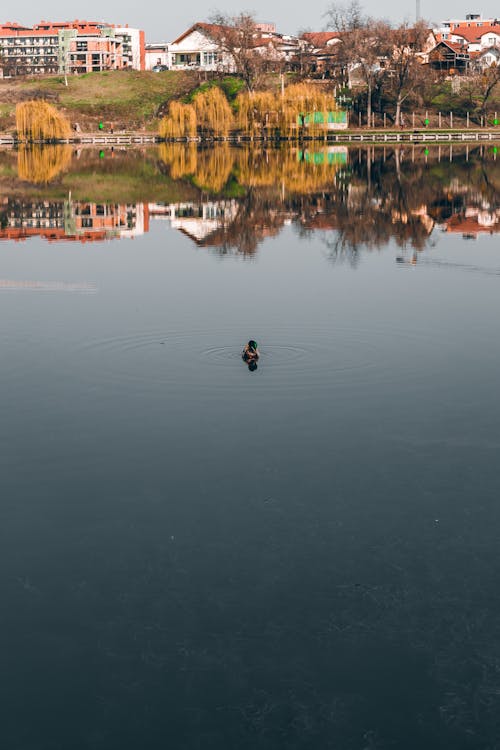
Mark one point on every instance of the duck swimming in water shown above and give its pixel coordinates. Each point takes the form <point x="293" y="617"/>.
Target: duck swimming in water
<point x="251" y="352"/>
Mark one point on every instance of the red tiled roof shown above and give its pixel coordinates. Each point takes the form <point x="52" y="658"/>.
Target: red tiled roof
<point x="211" y="29"/>
<point x="321" y="38"/>
<point x="452" y="45"/>
<point x="9" y="31"/>
<point x="473" y="35"/>
<point x="49" y="28"/>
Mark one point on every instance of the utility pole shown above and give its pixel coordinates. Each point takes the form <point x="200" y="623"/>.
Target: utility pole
<point x="417" y="10"/>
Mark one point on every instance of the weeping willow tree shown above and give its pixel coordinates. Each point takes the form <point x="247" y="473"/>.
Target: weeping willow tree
<point x="257" y="110"/>
<point x="180" y="122"/>
<point x="42" y="164"/>
<point x="300" y="104"/>
<point x="40" y="121"/>
<point x="302" y="108"/>
<point x="214" y="115"/>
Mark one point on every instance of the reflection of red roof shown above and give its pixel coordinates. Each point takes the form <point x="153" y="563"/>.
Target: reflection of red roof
<point x="321" y="221"/>
<point x="51" y="235"/>
<point x="469" y="225"/>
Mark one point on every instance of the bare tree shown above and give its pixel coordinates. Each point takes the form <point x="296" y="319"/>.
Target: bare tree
<point x="363" y="51"/>
<point x="236" y="37"/>
<point x="368" y="47"/>
<point x="345" y="17"/>
<point x="482" y="86"/>
<point x="405" y="68"/>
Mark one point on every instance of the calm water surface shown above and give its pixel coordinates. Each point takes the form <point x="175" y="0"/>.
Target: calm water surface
<point x="196" y="556"/>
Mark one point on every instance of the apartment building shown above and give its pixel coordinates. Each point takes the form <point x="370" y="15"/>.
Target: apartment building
<point x="474" y="32"/>
<point x="69" y="47"/>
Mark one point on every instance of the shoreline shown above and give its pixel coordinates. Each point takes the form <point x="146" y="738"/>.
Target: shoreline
<point x="344" y="137"/>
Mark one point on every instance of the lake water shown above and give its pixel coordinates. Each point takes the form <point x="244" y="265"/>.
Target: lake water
<point x="197" y="556"/>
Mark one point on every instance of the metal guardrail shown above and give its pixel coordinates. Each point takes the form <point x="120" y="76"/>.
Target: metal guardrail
<point x="124" y="139"/>
<point x="413" y="137"/>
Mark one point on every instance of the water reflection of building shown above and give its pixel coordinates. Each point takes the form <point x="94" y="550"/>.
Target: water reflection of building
<point x="473" y="221"/>
<point x="71" y="220"/>
<point x="198" y="221"/>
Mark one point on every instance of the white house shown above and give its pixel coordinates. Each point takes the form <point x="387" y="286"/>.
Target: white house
<point x="489" y="56"/>
<point x="198" y="48"/>
<point x="490" y="39"/>
<point x="157" y="53"/>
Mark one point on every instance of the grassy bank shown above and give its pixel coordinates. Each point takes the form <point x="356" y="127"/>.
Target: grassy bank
<point x="127" y="99"/>
<point x="137" y="101"/>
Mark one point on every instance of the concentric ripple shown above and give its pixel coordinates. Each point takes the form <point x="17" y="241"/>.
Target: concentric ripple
<point x="298" y="359"/>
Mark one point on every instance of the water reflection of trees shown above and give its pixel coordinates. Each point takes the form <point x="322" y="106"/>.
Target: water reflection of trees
<point x="362" y="198"/>
<point x="231" y="198"/>
<point x="39" y="164"/>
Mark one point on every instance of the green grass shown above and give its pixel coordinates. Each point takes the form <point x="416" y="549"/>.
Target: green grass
<point x="230" y="85"/>
<point x="130" y="95"/>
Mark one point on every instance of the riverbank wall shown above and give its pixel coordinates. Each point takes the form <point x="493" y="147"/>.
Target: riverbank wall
<point x="340" y="137"/>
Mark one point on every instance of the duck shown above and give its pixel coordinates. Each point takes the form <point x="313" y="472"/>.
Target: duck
<point x="250" y="351"/>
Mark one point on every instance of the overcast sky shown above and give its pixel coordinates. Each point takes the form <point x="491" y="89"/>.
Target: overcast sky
<point x="161" y="24"/>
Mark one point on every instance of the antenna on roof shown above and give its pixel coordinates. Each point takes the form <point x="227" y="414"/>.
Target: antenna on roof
<point x="417" y="10"/>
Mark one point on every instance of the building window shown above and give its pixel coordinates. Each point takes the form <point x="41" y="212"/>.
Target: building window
<point x="210" y="58"/>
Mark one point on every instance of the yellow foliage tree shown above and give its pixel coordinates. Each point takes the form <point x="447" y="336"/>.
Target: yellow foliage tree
<point x="213" y="112"/>
<point x="262" y="112"/>
<point x="40" y="121"/>
<point x="180" y="122"/>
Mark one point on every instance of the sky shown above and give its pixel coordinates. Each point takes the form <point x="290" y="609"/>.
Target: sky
<point x="161" y="24"/>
